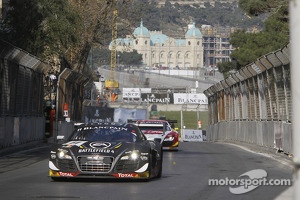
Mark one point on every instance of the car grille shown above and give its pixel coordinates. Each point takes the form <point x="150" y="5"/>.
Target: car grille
<point x="94" y="163"/>
<point x="167" y="143"/>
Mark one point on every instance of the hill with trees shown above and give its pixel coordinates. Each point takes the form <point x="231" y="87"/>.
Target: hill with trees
<point x="173" y="19"/>
<point x="249" y="46"/>
<point x="66" y="30"/>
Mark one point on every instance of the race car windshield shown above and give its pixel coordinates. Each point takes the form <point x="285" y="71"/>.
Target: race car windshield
<point x="153" y="129"/>
<point x="107" y="135"/>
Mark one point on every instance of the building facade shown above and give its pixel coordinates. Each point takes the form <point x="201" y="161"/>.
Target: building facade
<point x="216" y="44"/>
<point x="161" y="51"/>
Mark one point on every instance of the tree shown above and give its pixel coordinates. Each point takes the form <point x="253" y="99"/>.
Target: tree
<point x="256" y="7"/>
<point x="44" y="28"/>
<point x="58" y="29"/>
<point x="275" y="35"/>
<point x="102" y="57"/>
<point x="131" y="58"/>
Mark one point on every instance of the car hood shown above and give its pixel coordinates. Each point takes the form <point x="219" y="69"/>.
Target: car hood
<point x="147" y="132"/>
<point x="100" y="147"/>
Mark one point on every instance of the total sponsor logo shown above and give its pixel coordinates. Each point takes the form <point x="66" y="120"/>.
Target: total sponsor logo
<point x="68" y="174"/>
<point x="126" y="175"/>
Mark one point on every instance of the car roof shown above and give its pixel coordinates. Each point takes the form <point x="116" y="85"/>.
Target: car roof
<point x="107" y="124"/>
<point x="151" y="120"/>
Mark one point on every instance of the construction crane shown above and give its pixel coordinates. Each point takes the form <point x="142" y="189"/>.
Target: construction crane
<point x="111" y="84"/>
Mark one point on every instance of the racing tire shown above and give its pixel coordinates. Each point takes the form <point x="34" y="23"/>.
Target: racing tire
<point x="150" y="167"/>
<point x="159" y="164"/>
<point x="159" y="174"/>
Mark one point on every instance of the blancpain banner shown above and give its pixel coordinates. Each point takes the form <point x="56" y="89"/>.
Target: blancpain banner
<point x="190" y="98"/>
<point x="131" y="93"/>
<point x="190" y="135"/>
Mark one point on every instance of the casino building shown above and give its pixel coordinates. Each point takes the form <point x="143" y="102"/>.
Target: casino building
<point x="160" y="50"/>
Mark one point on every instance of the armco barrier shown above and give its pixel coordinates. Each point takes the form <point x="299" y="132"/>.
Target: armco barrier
<point x="21" y="130"/>
<point x="32" y="129"/>
<point x="6" y="131"/>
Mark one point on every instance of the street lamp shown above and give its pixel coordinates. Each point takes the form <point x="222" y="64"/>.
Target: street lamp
<point x="168" y="98"/>
<point x="118" y="60"/>
<point x="52" y="78"/>
<point x="169" y="55"/>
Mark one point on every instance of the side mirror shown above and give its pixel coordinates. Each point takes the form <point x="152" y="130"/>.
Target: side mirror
<point x="164" y="128"/>
<point x="60" y="137"/>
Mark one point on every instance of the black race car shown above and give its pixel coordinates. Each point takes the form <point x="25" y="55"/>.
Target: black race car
<point x="106" y="150"/>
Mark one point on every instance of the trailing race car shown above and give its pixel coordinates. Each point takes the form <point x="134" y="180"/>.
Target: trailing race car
<point x="160" y="130"/>
<point x="106" y="150"/>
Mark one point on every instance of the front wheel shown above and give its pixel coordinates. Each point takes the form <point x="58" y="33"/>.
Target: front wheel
<point x="159" y="170"/>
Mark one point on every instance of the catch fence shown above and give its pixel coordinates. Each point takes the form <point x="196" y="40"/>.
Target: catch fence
<point x="21" y="96"/>
<point x="255" y="100"/>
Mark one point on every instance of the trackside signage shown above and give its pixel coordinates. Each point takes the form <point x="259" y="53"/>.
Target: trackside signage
<point x="190" y="135"/>
<point x="135" y="92"/>
<point x="131" y="93"/>
<point x="190" y="98"/>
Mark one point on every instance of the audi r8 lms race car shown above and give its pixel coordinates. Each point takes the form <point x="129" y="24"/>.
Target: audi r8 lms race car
<point x="106" y="150"/>
<point x="159" y="130"/>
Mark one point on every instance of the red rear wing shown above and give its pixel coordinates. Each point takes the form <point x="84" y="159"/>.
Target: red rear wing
<point x="170" y="121"/>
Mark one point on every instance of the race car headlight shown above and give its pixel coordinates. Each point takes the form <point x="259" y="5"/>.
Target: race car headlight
<point x="63" y="154"/>
<point x="134" y="155"/>
<point x="169" y="138"/>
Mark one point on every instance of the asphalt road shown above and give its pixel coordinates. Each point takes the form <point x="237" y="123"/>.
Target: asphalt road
<point x="186" y="173"/>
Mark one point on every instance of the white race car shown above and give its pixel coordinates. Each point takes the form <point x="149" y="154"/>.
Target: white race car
<point x="160" y="130"/>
